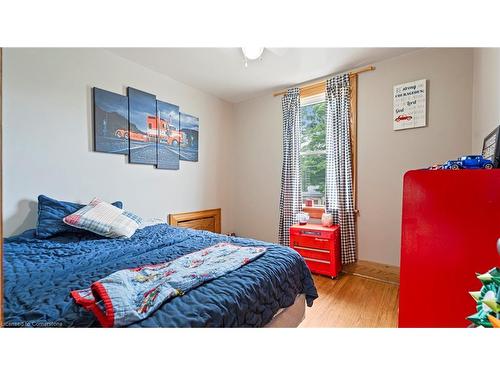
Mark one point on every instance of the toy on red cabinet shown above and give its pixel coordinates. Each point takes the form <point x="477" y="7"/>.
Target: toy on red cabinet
<point x="436" y="167"/>
<point x="489" y="159"/>
<point x="469" y="162"/>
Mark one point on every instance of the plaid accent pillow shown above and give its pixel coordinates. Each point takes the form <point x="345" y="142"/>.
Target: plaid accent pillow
<point x="104" y="219"/>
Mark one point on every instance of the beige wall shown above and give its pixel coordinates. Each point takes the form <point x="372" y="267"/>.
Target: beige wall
<point x="257" y="167"/>
<point x="486" y="101"/>
<point x="384" y="155"/>
<point x="47" y="130"/>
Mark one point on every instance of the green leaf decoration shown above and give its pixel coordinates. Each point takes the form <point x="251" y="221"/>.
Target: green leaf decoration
<point x="485" y="277"/>
<point x="493" y="305"/>
<point x="475" y="295"/>
<point x="487" y="299"/>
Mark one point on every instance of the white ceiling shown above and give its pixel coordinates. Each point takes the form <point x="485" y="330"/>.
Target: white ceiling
<point x="221" y="71"/>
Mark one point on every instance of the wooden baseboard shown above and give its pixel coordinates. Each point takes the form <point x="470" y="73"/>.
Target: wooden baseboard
<point x="375" y="271"/>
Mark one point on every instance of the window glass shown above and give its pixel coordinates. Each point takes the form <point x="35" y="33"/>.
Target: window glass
<point x="313" y="153"/>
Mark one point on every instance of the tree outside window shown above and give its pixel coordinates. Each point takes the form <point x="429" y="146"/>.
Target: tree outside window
<point x="313" y="153"/>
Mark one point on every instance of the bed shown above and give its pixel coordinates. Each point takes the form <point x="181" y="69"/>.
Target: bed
<point x="39" y="274"/>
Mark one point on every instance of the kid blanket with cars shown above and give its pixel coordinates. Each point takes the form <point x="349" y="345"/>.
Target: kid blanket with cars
<point x="130" y="295"/>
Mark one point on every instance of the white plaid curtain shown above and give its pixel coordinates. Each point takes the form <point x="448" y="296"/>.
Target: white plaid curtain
<point x="291" y="194"/>
<point x="338" y="186"/>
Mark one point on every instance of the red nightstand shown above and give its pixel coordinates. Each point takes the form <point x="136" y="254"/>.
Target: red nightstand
<point x="319" y="246"/>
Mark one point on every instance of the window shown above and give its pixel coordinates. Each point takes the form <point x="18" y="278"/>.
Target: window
<point x="313" y="150"/>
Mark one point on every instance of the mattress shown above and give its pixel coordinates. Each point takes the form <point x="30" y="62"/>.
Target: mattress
<point x="39" y="274"/>
<point x="290" y="317"/>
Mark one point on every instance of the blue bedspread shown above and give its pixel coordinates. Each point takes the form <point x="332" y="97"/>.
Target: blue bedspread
<point x="39" y="274"/>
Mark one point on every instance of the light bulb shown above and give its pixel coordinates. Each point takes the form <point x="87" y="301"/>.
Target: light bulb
<point x="252" y="53"/>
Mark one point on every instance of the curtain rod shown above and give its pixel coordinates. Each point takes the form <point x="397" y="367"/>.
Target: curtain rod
<point x="322" y="82"/>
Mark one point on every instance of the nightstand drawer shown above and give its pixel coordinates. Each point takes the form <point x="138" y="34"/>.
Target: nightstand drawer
<point x="312" y="242"/>
<point x="313" y="253"/>
<point x="319" y="266"/>
<point x="318" y="231"/>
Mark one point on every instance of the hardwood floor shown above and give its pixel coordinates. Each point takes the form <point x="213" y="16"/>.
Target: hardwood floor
<point x="353" y="301"/>
<point x="372" y="270"/>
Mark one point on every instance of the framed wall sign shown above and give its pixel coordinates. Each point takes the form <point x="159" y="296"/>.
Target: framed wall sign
<point x="410" y="105"/>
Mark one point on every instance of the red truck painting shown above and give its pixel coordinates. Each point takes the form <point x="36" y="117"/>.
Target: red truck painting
<point x="403" y="118"/>
<point x="167" y="133"/>
<point x="134" y="136"/>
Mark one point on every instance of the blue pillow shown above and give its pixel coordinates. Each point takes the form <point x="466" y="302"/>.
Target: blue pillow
<point x="51" y="213"/>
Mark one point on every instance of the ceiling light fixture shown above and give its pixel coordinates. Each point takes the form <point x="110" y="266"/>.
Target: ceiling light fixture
<point x="252" y="53"/>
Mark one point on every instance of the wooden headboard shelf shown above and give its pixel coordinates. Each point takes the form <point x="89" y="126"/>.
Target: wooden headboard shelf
<point x="202" y="220"/>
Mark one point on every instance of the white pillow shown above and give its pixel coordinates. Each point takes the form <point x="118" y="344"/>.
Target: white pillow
<point x="104" y="219"/>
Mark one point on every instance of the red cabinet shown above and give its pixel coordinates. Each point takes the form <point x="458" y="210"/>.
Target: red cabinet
<point x="450" y="226"/>
<point x="319" y="246"/>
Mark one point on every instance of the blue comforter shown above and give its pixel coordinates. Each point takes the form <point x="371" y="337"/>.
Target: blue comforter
<point x="39" y="274"/>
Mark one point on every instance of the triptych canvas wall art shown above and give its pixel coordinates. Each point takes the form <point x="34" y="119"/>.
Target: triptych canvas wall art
<point x="189" y="127"/>
<point x="148" y="130"/>
<point x="110" y="122"/>
<point x="169" y="135"/>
